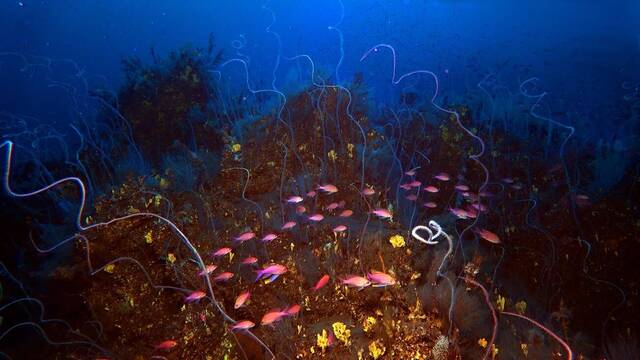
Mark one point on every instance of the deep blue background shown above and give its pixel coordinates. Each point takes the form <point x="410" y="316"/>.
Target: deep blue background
<point x="582" y="51"/>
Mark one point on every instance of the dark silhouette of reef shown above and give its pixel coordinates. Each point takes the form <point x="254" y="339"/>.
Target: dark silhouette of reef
<point x="197" y="180"/>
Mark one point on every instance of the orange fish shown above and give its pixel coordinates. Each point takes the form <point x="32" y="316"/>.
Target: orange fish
<point x="288" y="225"/>
<point x="430" y="205"/>
<point x="432" y="189"/>
<point x="242" y="325"/>
<point x="245" y="236"/>
<point x="380" y="279"/>
<point x="321" y="283"/>
<point x="340" y="228"/>
<point x="488" y="235"/>
<point x="223" y="277"/>
<point x="250" y="260"/>
<point x="222" y="252"/>
<point x="356" y="281"/>
<point x="272" y="316"/>
<point x="166" y="345"/>
<point x="293" y="310"/>
<point x="328" y="188"/>
<point x="241" y="299"/>
<point x="208" y="270"/>
<point x="269" y="237"/>
<point x="273" y="270"/>
<point x="294" y="199"/>
<point x="368" y="191"/>
<point x="316" y="217"/>
<point x="382" y="213"/>
<point x="195" y="296"/>
<point x="412" y="172"/>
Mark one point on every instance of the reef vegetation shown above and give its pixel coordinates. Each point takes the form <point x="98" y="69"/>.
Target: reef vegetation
<point x="212" y="228"/>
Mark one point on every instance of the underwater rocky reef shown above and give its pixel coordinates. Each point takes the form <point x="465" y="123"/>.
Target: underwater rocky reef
<point x="191" y="214"/>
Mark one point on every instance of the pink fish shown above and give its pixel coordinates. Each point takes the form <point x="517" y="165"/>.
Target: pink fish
<point x="293" y="310"/>
<point x="485" y="194"/>
<point x="208" y="270"/>
<point x="479" y="207"/>
<point x="273" y="316"/>
<point x="405" y="186"/>
<point x="246" y="236"/>
<point x="294" y="199"/>
<point x="432" y="189"/>
<point x="459" y="213"/>
<point x="222" y="252"/>
<point x="517" y="186"/>
<point x="328" y="188"/>
<point x="380" y="279"/>
<point x="488" y="235"/>
<point x="300" y="209"/>
<point x="241" y="299"/>
<point x="195" y="296"/>
<point x="311" y="194"/>
<point x="356" y="281"/>
<point x="411" y="172"/>
<point x="321" y="283"/>
<point x="166" y="345"/>
<point x="269" y="237"/>
<point x="225" y="276"/>
<point x="470" y="196"/>
<point x="443" y="176"/>
<point x="273" y="270"/>
<point x="382" y="213"/>
<point x="316" y="217"/>
<point x="368" y="191"/>
<point x="346" y="213"/>
<point x="507" y="180"/>
<point x="250" y="260"/>
<point x="339" y="228"/>
<point x="430" y="205"/>
<point x="242" y="325"/>
<point x="415" y="184"/>
<point x="288" y="225"/>
<point x="412" y="197"/>
<point x="462" y="187"/>
<point x="582" y="200"/>
<point x="472" y="213"/>
<point x="332" y="206"/>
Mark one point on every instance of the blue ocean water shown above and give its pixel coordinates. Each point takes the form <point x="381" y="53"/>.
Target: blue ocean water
<point x="506" y="133"/>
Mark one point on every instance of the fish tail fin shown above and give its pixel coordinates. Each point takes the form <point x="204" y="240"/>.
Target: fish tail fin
<point x="259" y="274"/>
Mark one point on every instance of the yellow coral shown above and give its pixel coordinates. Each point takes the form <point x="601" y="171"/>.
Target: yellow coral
<point x="235" y="148"/>
<point x="376" y="349"/>
<point x="148" y="237"/>
<point x="525" y="349"/>
<point x="110" y="268"/>
<point x="494" y="351"/>
<point x="521" y="307"/>
<point x="482" y="342"/>
<point x="350" y="148"/>
<point x="342" y="333"/>
<point x="500" y="303"/>
<point x="397" y="241"/>
<point x="369" y="323"/>
<point x="323" y="340"/>
<point x="332" y="155"/>
<point x="171" y="258"/>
